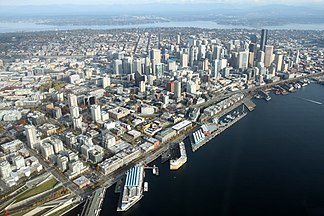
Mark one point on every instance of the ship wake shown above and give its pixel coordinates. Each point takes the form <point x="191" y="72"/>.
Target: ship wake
<point x="312" y="101"/>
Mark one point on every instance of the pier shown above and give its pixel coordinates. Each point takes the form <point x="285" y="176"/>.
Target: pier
<point x="220" y="129"/>
<point x="250" y="105"/>
<point x="93" y="205"/>
<point x="154" y="169"/>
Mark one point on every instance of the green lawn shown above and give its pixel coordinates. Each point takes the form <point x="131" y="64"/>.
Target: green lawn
<point x="37" y="190"/>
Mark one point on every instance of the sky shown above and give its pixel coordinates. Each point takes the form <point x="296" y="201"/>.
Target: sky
<point x="118" y="2"/>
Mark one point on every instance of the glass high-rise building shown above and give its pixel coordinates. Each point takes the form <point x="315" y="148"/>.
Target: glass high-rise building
<point x="264" y="38"/>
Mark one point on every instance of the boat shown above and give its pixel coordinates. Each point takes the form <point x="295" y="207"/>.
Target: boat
<point x="288" y="87"/>
<point x="145" y="186"/>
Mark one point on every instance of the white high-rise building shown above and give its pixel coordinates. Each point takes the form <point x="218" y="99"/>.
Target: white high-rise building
<point x="156" y="56"/>
<point x="18" y="161"/>
<point x="142" y="86"/>
<point x="172" y="66"/>
<point x="74" y="111"/>
<point x="5" y="169"/>
<point x="184" y="60"/>
<point x="137" y="66"/>
<point x="62" y="162"/>
<point x="268" y="55"/>
<point x="77" y="122"/>
<point x="278" y="61"/>
<point x="31" y="135"/>
<point x="95" y="112"/>
<point x="216" y="70"/>
<point x="297" y="57"/>
<point x="46" y="149"/>
<point x="73" y="100"/>
<point x="243" y="60"/>
<point x="191" y="87"/>
<point x="105" y="81"/>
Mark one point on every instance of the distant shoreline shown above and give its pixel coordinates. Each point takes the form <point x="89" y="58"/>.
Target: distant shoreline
<point x="13" y="27"/>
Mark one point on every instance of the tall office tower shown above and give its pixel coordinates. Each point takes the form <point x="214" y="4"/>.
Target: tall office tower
<point x="251" y="59"/>
<point x="216" y="68"/>
<point x="5" y="169"/>
<point x="74" y="112"/>
<point x="57" y="112"/>
<point x="192" y="40"/>
<point x="178" y="38"/>
<point x="127" y="64"/>
<point x="137" y="66"/>
<point x="142" y="86"/>
<point x="95" y="113"/>
<point x="105" y="81"/>
<point x="153" y="68"/>
<point x="159" y="70"/>
<point x="205" y="65"/>
<point x="297" y="57"/>
<point x="191" y="87"/>
<point x="218" y="52"/>
<point x="156" y="56"/>
<point x="147" y="68"/>
<point x="260" y="56"/>
<point x="264" y="38"/>
<point x="177" y="89"/>
<point x="118" y="66"/>
<point x="170" y="86"/>
<point x="172" y="65"/>
<point x="278" y="61"/>
<point x="31" y="135"/>
<point x="209" y="56"/>
<point x="192" y="56"/>
<point x="201" y="51"/>
<point x="268" y="55"/>
<point x="242" y="61"/>
<point x="184" y="60"/>
<point x="222" y="64"/>
<point x="73" y="100"/>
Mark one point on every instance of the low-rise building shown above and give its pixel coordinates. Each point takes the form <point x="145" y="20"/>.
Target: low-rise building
<point x="165" y="135"/>
<point x="12" y="146"/>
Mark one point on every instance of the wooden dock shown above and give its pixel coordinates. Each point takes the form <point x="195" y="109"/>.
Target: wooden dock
<point x="249" y="104"/>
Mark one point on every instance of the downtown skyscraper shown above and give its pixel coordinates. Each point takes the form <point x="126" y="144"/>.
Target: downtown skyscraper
<point x="264" y="38"/>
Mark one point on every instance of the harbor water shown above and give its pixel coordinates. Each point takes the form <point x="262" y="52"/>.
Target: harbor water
<point x="269" y="163"/>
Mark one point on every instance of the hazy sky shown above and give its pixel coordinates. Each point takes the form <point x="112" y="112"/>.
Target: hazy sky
<point x="107" y="2"/>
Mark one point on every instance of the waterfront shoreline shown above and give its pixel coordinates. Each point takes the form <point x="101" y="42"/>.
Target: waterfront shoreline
<point x="158" y="152"/>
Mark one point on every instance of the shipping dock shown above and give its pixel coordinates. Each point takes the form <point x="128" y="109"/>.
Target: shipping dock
<point x="202" y="136"/>
<point x="133" y="188"/>
<point x="177" y="162"/>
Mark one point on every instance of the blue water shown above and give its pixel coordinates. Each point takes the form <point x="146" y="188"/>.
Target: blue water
<point x="6" y="27"/>
<point x="270" y="163"/>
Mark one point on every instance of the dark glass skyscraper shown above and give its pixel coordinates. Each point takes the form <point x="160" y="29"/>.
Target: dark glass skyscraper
<point x="264" y="38"/>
